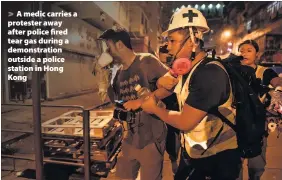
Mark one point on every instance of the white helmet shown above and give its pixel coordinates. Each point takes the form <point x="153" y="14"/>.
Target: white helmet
<point x="188" y="17"/>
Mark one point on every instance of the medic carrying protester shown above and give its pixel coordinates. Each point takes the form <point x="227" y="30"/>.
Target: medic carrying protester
<point x="209" y="146"/>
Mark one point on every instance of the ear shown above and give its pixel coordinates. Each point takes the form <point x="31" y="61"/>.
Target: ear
<point x="119" y="45"/>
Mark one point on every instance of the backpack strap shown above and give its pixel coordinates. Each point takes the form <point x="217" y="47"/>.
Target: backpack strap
<point x="215" y="138"/>
<point x="227" y="104"/>
<point x="229" y="101"/>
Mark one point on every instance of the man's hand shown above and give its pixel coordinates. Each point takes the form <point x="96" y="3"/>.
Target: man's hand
<point x="133" y="104"/>
<point x="149" y="105"/>
<point x="167" y="81"/>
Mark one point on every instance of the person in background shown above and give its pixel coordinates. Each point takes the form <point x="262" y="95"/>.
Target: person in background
<point x="144" y="144"/>
<point x="20" y="86"/>
<point x="173" y="136"/>
<point x="267" y="78"/>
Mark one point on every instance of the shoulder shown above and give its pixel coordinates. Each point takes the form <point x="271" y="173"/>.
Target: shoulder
<point x="269" y="74"/>
<point x="269" y="71"/>
<point x="210" y="76"/>
<point x="146" y="57"/>
<point x="211" y="70"/>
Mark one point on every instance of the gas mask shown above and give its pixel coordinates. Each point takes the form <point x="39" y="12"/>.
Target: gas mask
<point x="178" y="66"/>
<point x="105" y="60"/>
<point x="181" y="66"/>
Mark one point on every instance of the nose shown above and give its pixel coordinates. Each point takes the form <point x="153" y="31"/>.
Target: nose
<point x="243" y="53"/>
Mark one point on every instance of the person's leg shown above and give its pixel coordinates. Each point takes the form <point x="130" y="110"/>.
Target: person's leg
<point x="184" y="168"/>
<point x="173" y="146"/>
<point x="127" y="167"/>
<point x="241" y="172"/>
<point x="151" y="159"/>
<point x="227" y="165"/>
<point x="188" y="168"/>
<point x="17" y="91"/>
<point x="21" y="90"/>
<point x="257" y="164"/>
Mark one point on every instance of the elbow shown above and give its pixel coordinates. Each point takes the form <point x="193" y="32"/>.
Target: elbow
<point x="183" y="127"/>
<point x="187" y="126"/>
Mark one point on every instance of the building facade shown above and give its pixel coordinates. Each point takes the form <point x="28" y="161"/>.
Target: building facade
<point x="260" y="21"/>
<point x="141" y="19"/>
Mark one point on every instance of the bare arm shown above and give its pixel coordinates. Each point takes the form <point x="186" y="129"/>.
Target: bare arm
<point x="186" y="120"/>
<point x="162" y="93"/>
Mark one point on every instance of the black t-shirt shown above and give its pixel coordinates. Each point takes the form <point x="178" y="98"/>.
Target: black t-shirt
<point x="209" y="87"/>
<point x="171" y="102"/>
<point x="268" y="75"/>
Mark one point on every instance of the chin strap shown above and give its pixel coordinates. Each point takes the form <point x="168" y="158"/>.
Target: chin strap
<point x="195" y="42"/>
<point x="181" y="46"/>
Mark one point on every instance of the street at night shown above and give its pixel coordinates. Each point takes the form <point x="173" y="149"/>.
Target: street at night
<point x="145" y="90"/>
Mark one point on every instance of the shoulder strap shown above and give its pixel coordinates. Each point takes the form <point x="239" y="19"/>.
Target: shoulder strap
<point x="179" y="89"/>
<point x="227" y="104"/>
<point x="229" y="101"/>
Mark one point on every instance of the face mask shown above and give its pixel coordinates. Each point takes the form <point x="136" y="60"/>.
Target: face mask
<point x="105" y="59"/>
<point x="181" y="66"/>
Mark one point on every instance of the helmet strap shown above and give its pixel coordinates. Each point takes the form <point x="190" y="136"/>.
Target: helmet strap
<point x="195" y="44"/>
<point x="181" y="46"/>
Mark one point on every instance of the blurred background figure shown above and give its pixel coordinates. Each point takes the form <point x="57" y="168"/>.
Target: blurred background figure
<point x="19" y="86"/>
<point x="173" y="136"/>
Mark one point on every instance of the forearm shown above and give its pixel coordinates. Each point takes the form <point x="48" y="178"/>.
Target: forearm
<point x="162" y="93"/>
<point x="174" y="118"/>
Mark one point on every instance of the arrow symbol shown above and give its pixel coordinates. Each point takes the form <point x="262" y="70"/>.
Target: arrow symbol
<point x="10" y="14"/>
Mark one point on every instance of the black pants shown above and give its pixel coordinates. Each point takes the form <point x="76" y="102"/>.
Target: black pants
<point x="225" y="165"/>
<point x="172" y="142"/>
<point x="256" y="165"/>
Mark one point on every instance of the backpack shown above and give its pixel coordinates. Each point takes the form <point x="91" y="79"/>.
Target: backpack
<point x="250" y="112"/>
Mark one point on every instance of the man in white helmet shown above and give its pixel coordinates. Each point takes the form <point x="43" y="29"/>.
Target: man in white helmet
<point x="209" y="146"/>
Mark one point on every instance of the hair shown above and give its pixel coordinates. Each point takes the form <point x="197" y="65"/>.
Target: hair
<point x="251" y="42"/>
<point x="186" y="33"/>
<point x="117" y="35"/>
